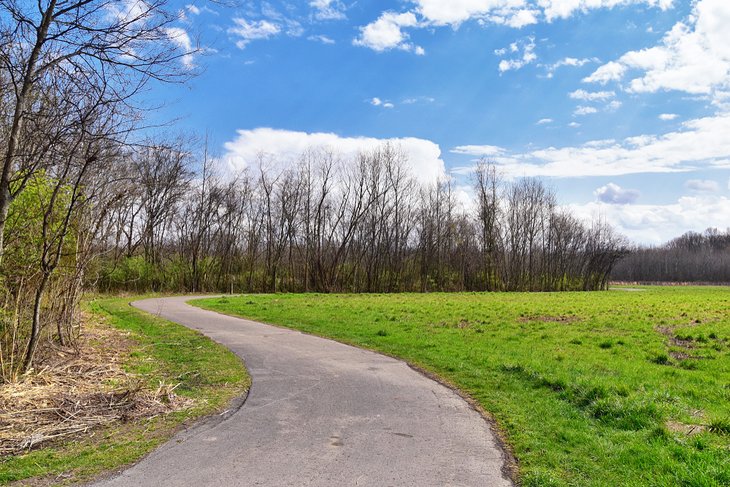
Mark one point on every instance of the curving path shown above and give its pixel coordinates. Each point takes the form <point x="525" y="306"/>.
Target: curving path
<point x="321" y="413"/>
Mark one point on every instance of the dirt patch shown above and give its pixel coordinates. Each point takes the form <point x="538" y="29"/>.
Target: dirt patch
<point x="78" y="390"/>
<point x="685" y="429"/>
<point x="685" y="345"/>
<point x="549" y="318"/>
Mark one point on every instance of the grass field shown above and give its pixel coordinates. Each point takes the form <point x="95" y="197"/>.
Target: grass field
<point x="590" y="389"/>
<point x="206" y="372"/>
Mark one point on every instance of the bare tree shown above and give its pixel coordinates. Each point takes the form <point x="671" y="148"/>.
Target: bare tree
<point x="101" y="43"/>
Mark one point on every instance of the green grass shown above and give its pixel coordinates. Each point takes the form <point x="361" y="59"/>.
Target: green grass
<point x="588" y="388"/>
<point x="207" y="372"/>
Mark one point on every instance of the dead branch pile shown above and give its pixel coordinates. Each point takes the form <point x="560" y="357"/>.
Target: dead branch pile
<point x="78" y="391"/>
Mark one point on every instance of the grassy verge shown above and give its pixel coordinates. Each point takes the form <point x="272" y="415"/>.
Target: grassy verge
<point x="592" y="389"/>
<point x="207" y="373"/>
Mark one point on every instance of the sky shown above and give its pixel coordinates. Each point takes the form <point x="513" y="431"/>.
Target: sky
<point x="621" y="106"/>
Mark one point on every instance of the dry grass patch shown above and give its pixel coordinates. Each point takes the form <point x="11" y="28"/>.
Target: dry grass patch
<point x="78" y="390"/>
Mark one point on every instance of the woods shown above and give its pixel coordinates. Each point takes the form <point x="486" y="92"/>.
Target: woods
<point x="328" y="224"/>
<point x="692" y="257"/>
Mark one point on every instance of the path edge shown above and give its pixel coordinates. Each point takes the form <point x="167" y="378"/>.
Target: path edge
<point x="510" y="468"/>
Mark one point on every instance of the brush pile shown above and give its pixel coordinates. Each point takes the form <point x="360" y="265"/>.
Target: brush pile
<point x="76" y="392"/>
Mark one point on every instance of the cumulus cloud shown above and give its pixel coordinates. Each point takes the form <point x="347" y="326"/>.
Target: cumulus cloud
<point x="328" y="9"/>
<point x="545" y="121"/>
<point x="668" y="116"/>
<point x="479" y="150"/>
<point x="700" y="143"/>
<point x="693" y="57"/>
<point x="321" y="38"/>
<point x="569" y="62"/>
<point x="702" y="185"/>
<point x="285" y="147"/>
<point x="592" y="96"/>
<point x="253" y="30"/>
<point x="181" y="39"/>
<point x="377" y="102"/>
<point x="387" y="33"/>
<point x="611" y="71"/>
<point x="554" y="9"/>
<point x="656" y="224"/>
<point x="584" y="110"/>
<point x="452" y="13"/>
<point x="527" y="46"/>
<point x="616" y="195"/>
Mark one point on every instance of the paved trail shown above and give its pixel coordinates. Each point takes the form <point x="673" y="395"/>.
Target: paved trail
<point x="321" y="413"/>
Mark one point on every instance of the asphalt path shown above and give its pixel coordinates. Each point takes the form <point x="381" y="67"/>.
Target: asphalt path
<point x="320" y="413"/>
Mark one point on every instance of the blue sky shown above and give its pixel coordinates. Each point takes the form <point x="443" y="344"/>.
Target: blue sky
<point x="623" y="106"/>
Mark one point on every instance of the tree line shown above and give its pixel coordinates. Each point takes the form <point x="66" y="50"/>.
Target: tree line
<point x="692" y="257"/>
<point x="332" y="224"/>
<point x="88" y="203"/>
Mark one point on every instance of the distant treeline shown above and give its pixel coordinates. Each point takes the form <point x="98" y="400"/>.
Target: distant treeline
<point x="332" y="225"/>
<point x="693" y="257"/>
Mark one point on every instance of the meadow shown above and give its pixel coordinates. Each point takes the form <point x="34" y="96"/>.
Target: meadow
<point x="623" y="387"/>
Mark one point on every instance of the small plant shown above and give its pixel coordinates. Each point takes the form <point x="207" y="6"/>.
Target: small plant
<point x="382" y="333"/>
<point x="575" y="341"/>
<point x="712" y="336"/>
<point x="688" y="365"/>
<point x="661" y="359"/>
<point x="606" y="344"/>
<point x="720" y="426"/>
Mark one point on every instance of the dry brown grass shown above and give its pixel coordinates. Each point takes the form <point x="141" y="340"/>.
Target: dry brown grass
<point x="76" y="391"/>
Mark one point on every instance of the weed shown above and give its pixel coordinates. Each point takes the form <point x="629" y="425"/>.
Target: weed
<point x="661" y="359"/>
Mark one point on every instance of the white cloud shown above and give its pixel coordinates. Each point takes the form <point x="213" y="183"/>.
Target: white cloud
<point x="321" y="38"/>
<point x="656" y="224"/>
<point x="545" y="121"/>
<point x="574" y="125"/>
<point x="592" y="96"/>
<point x="386" y="33"/>
<point x="584" y="110"/>
<point x="518" y="19"/>
<point x="702" y="185"/>
<point x="694" y="56"/>
<point x="554" y="9"/>
<point x="285" y="147"/>
<point x="181" y="39"/>
<point x="569" y="62"/>
<point x="478" y="150"/>
<point x="528" y="55"/>
<point x="253" y="30"/>
<point x="377" y="102"/>
<point x="613" y="106"/>
<point x="192" y="9"/>
<point x="454" y="12"/>
<point x="668" y="116"/>
<point x="616" y="195"/>
<point x="700" y="143"/>
<point x="418" y="99"/>
<point x="328" y="9"/>
<point x="611" y="71"/>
